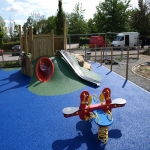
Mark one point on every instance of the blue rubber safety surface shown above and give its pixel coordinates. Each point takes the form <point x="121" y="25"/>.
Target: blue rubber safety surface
<point x="32" y="122"/>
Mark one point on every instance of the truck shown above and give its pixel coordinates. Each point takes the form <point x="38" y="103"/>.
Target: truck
<point x="97" y="41"/>
<point x="126" y="39"/>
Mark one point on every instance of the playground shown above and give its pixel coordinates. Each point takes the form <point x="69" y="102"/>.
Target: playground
<point x="32" y="118"/>
<point x="53" y="102"/>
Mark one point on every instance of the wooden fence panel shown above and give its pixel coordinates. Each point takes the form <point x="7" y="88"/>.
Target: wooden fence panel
<point x="41" y="46"/>
<point x="58" y="43"/>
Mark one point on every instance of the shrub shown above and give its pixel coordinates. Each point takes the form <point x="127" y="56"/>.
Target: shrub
<point x="8" y="46"/>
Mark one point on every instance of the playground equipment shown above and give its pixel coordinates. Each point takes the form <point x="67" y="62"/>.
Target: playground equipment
<point x="91" y="109"/>
<point x="77" y="69"/>
<point x="40" y="45"/>
<point x="44" y="69"/>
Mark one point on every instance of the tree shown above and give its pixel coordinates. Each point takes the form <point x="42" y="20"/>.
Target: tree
<point x="11" y="28"/>
<point x="2" y="22"/>
<point x="112" y="16"/>
<point x="49" y="24"/>
<point x="2" y="30"/>
<point x="140" y="19"/>
<point x="91" y="26"/>
<point x="60" y="19"/>
<point x="1" y="36"/>
<point x="75" y="21"/>
<point x="16" y="30"/>
<point x="35" y="20"/>
<point x="147" y="2"/>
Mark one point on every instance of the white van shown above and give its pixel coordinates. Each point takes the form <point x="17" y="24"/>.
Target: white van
<point x="126" y="39"/>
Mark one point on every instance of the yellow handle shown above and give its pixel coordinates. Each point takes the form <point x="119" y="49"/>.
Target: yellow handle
<point x="110" y="114"/>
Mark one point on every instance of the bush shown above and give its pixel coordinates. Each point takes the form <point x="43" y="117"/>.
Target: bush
<point x="84" y="41"/>
<point x="8" y="46"/>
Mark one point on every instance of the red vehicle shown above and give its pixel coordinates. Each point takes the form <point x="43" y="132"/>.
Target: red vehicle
<point x="1" y="51"/>
<point x="97" y="41"/>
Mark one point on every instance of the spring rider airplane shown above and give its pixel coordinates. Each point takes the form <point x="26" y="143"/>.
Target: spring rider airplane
<point x="91" y="109"/>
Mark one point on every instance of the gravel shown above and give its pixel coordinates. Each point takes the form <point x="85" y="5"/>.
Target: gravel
<point x="136" y="79"/>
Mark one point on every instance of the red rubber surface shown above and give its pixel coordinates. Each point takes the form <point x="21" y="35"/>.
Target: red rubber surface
<point x="44" y="69"/>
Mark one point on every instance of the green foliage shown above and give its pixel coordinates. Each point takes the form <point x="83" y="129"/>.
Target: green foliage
<point x="2" y="31"/>
<point x="75" y="21"/>
<point x="84" y="41"/>
<point x="140" y="19"/>
<point x="16" y="30"/>
<point x="11" y="64"/>
<point x="2" y="22"/>
<point x="50" y="24"/>
<point x="60" y="19"/>
<point x="36" y="21"/>
<point x="91" y="26"/>
<point x="1" y="36"/>
<point x="112" y="16"/>
<point x="8" y="46"/>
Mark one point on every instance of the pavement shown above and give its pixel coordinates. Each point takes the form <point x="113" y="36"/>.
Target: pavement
<point x="136" y="79"/>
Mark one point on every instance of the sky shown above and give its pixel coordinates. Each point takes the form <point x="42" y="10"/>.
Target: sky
<point x="19" y="10"/>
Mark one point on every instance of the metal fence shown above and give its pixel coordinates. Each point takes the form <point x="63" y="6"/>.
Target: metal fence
<point x="110" y="55"/>
<point x="8" y="60"/>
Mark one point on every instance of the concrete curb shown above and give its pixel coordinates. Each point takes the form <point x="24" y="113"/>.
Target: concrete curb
<point x="136" y="66"/>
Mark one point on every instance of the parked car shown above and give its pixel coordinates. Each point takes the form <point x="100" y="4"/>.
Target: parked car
<point x="16" y="49"/>
<point x="1" y="51"/>
<point x="97" y="41"/>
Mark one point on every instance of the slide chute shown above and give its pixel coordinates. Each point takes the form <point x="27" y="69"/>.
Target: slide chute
<point x="44" y="69"/>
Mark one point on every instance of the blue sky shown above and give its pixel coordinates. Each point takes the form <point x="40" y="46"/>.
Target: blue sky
<point x="19" y="10"/>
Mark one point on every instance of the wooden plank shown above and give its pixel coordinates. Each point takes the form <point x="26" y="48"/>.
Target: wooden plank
<point x="127" y="65"/>
<point x="52" y="42"/>
<point x="31" y="42"/>
<point x="111" y="58"/>
<point x="20" y="37"/>
<point x="65" y="39"/>
<point x="26" y="44"/>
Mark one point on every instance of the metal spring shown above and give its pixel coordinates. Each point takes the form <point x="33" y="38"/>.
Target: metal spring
<point x="103" y="134"/>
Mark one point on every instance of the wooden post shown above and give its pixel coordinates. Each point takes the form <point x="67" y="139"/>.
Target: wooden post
<point x="69" y="42"/>
<point x="25" y="50"/>
<point x="121" y="52"/>
<point x="85" y="54"/>
<point x="111" y="57"/>
<point x="95" y="53"/>
<point x="127" y="64"/>
<point x="65" y="39"/>
<point x="31" y="43"/>
<point x="103" y="52"/>
<point x="26" y="43"/>
<point x="20" y="36"/>
<point x="138" y="48"/>
<point x="3" y="59"/>
<point x="101" y="56"/>
<point x="52" y="42"/>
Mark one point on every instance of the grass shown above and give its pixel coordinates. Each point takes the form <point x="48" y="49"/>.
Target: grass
<point x="86" y="45"/>
<point x="119" y="59"/>
<point x="10" y="64"/>
<point x="144" y="69"/>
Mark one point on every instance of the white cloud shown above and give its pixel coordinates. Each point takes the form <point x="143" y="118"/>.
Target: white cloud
<point x="15" y="8"/>
<point x="10" y="1"/>
<point x="28" y="6"/>
<point x="19" y="22"/>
